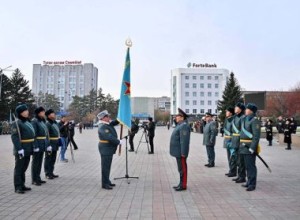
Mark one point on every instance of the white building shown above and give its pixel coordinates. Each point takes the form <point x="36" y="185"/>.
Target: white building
<point x="64" y="79"/>
<point x="197" y="90"/>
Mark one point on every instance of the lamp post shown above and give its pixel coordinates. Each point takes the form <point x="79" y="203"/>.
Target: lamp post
<point x="1" y="72"/>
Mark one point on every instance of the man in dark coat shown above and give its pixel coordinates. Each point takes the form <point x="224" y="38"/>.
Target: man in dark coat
<point x="108" y="143"/>
<point x="151" y="134"/>
<point x="209" y="139"/>
<point x="51" y="150"/>
<point x="41" y="143"/>
<point x="227" y="140"/>
<point x="22" y="136"/>
<point x="288" y="130"/>
<point x="179" y="147"/>
<point x="294" y="125"/>
<point x="134" y="129"/>
<point x="269" y="131"/>
<point x="64" y="137"/>
<point x="250" y="135"/>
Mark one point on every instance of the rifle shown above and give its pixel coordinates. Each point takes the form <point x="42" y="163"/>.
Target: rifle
<point x="19" y="133"/>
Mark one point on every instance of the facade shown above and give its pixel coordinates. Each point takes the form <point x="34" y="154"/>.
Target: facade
<point x="197" y="89"/>
<point x="64" y="80"/>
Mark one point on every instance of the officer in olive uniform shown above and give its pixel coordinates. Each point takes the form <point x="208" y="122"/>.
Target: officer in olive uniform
<point x="108" y="143"/>
<point x="236" y="161"/>
<point x="209" y="139"/>
<point x="250" y="135"/>
<point x="51" y="150"/>
<point x="227" y="140"/>
<point x="23" y="140"/>
<point x="179" y="147"/>
<point x="41" y="143"/>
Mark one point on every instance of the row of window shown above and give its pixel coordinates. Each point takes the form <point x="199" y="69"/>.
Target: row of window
<point x="201" y="102"/>
<point x="202" y="94"/>
<point x="202" y="85"/>
<point x="202" y="111"/>
<point x="202" y="77"/>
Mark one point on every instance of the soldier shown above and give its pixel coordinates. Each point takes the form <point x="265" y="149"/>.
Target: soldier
<point x="236" y="160"/>
<point x="108" y="143"/>
<point x="52" y="149"/>
<point x="227" y="140"/>
<point x="250" y="135"/>
<point x="288" y="130"/>
<point x="151" y="133"/>
<point x="269" y="131"/>
<point x="179" y="147"/>
<point x="209" y="139"/>
<point x="23" y="140"/>
<point x="134" y="129"/>
<point x="280" y="125"/>
<point x="41" y="143"/>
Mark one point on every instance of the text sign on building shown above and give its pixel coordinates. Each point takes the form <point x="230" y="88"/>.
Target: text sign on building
<point x="67" y="62"/>
<point x="201" y="65"/>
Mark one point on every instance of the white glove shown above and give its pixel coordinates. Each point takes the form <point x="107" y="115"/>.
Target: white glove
<point x="36" y="149"/>
<point x="252" y="151"/>
<point x="21" y="152"/>
<point x="122" y="142"/>
<point x="49" y="148"/>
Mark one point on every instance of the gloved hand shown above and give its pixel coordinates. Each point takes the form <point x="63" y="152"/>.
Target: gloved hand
<point x="21" y="152"/>
<point x="49" y="148"/>
<point x="122" y="142"/>
<point x="36" y="149"/>
<point x="251" y="151"/>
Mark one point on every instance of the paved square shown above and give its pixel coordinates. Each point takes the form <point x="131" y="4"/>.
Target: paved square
<point x="77" y="193"/>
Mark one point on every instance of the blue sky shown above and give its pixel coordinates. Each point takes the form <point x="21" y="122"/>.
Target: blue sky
<point x="257" y="40"/>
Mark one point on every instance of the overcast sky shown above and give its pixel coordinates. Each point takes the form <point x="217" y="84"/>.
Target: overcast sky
<point x="256" y="39"/>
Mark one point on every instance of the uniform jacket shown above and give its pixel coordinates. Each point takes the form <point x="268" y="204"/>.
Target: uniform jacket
<point x="151" y="129"/>
<point x="288" y="134"/>
<point x="53" y="133"/>
<point x="252" y="125"/>
<point x="294" y="126"/>
<point x="209" y="134"/>
<point x="227" y="131"/>
<point x="107" y="132"/>
<point x="27" y="132"/>
<point x="269" y="132"/>
<point x="236" y="130"/>
<point x="180" y="140"/>
<point x="41" y="130"/>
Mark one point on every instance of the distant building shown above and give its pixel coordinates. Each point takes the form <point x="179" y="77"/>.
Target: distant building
<point x="197" y="89"/>
<point x="64" y="79"/>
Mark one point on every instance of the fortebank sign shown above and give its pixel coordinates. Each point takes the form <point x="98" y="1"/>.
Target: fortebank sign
<point x="201" y="65"/>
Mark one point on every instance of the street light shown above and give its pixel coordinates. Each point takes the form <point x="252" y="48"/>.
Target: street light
<point x="1" y="71"/>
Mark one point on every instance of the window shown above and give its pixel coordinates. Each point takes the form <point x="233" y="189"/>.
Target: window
<point x="194" y="85"/>
<point x="202" y="94"/>
<point x="186" y="77"/>
<point x="209" y="110"/>
<point x="187" y="85"/>
<point x="209" y="94"/>
<point x="202" y="102"/>
<point x="187" y="102"/>
<point x="201" y="85"/>
<point x="209" y="77"/>
<point x="216" y="111"/>
<point x="194" y="111"/>
<point x="187" y="94"/>
<point x="216" y="77"/>
<point x="202" y="111"/>
<point x="216" y="85"/>
<point x="187" y="111"/>
<point x="194" y="102"/>
<point x="216" y="94"/>
<point x="194" y="77"/>
<point x="209" y="85"/>
<point x="202" y="77"/>
<point x="194" y="94"/>
<point x="208" y="102"/>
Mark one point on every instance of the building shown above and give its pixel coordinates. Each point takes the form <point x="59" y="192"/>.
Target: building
<point x="64" y="79"/>
<point x="197" y="89"/>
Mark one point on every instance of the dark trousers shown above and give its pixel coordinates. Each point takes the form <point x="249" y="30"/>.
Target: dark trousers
<point x="131" y="137"/>
<point x="106" y="161"/>
<point x="182" y="169"/>
<point x="270" y="143"/>
<point x="73" y="142"/>
<point x="151" y="143"/>
<point x="289" y="146"/>
<point x="36" y="166"/>
<point x="232" y="160"/>
<point x="211" y="154"/>
<point x="251" y="169"/>
<point x="21" y="166"/>
<point x="241" y="166"/>
<point x="49" y="163"/>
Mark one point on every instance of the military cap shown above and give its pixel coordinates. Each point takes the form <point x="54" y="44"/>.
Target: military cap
<point x="21" y="108"/>
<point x="231" y="110"/>
<point x="49" y="111"/>
<point x="182" y="113"/>
<point x="240" y="105"/>
<point x="38" y="110"/>
<point x="252" y="107"/>
<point x="103" y="114"/>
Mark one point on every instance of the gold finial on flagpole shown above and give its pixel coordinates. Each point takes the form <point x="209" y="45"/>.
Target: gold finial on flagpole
<point x="128" y="42"/>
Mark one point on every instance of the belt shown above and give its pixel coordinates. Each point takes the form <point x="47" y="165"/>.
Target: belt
<point x="245" y="141"/>
<point x="40" y="138"/>
<point x="227" y="137"/>
<point x="104" y="141"/>
<point x="27" y="141"/>
<point x="235" y="134"/>
<point x="53" y="138"/>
